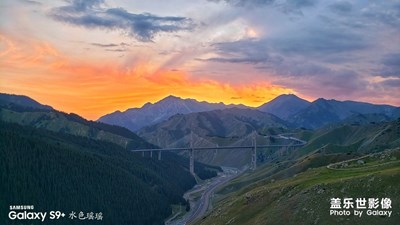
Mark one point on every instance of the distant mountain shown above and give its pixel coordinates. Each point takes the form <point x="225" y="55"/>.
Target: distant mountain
<point x="323" y="112"/>
<point x="284" y="106"/>
<point x="22" y="101"/>
<point x="150" y="114"/>
<point x="218" y="127"/>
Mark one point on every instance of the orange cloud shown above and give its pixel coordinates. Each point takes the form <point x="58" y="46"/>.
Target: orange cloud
<point x="91" y="89"/>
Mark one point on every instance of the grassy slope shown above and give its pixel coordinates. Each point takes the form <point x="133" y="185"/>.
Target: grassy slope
<point x="305" y="198"/>
<point x="350" y="138"/>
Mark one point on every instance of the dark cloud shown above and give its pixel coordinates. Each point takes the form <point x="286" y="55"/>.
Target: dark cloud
<point x="342" y="7"/>
<point x="92" y="14"/>
<point x="386" y="12"/>
<point x="333" y="46"/>
<point x="321" y="41"/>
<point x="104" y="45"/>
<point x="393" y="83"/>
<point x="31" y="2"/>
<point x="252" y="3"/>
<point x="111" y="47"/>
<point x="247" y="60"/>
<point x="242" y="3"/>
<point x="302" y="3"/>
<point x="390" y="65"/>
<point x="116" y="50"/>
<point x="290" y="7"/>
<point x="248" y="51"/>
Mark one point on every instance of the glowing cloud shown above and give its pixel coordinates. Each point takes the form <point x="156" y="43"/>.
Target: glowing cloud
<point x="94" y="90"/>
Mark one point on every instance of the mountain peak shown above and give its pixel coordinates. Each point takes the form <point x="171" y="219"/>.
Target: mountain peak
<point x="284" y="105"/>
<point x="171" y="97"/>
<point x="286" y="96"/>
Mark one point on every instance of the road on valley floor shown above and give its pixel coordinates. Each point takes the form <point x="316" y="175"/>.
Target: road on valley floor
<point x="201" y="207"/>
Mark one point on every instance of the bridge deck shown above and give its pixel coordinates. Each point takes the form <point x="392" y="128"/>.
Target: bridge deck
<point x="215" y="148"/>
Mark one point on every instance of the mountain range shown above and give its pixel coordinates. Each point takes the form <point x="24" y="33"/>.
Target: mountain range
<point x="294" y="110"/>
<point x="322" y="112"/>
<point x="150" y="114"/>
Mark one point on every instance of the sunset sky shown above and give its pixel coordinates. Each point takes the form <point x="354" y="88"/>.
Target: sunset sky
<point x="96" y="56"/>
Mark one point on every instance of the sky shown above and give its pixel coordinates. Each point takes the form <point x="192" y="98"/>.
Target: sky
<point x="93" y="57"/>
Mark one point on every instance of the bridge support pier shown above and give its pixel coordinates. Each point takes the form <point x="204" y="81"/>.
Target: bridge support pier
<point x="143" y="154"/>
<point x="191" y="162"/>
<point x="254" y="153"/>
<point x="159" y="155"/>
<point x="254" y="158"/>
<point x="151" y="154"/>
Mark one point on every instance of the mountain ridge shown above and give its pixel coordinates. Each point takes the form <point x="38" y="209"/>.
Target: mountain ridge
<point x="152" y="113"/>
<point x="323" y="112"/>
<point x="22" y="100"/>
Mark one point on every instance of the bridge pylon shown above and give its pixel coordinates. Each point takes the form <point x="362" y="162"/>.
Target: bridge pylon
<point x="191" y="163"/>
<point x="254" y="152"/>
<point x="191" y="156"/>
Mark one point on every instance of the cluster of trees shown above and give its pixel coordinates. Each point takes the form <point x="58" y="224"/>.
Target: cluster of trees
<point x="55" y="171"/>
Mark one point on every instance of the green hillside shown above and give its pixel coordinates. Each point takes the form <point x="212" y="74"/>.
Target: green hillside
<point x="367" y="138"/>
<point x="296" y="187"/>
<point x="304" y="198"/>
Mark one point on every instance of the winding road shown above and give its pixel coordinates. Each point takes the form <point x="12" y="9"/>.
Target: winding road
<point x="202" y="205"/>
